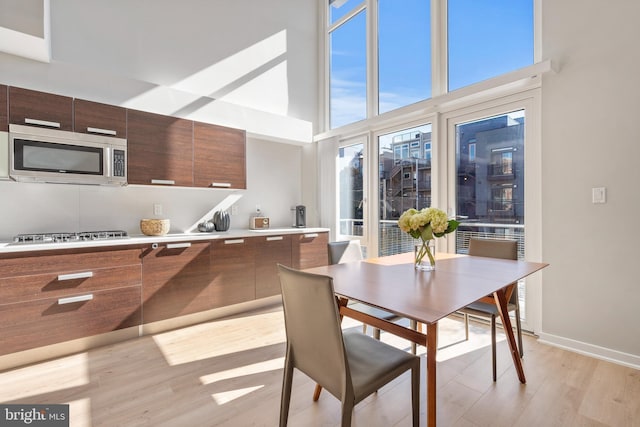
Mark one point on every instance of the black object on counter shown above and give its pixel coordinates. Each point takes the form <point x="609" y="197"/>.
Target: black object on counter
<point x="221" y="220"/>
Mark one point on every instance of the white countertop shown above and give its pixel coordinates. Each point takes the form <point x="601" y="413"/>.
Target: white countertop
<point x="140" y="239"/>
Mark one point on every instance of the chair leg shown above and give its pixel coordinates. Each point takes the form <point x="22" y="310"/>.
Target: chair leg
<point x="519" y="332"/>
<point x="316" y="392"/>
<point x="413" y="325"/>
<point x="466" y="326"/>
<point x="376" y="333"/>
<point x="285" y="400"/>
<point x="415" y="394"/>
<point x="364" y="328"/>
<point x="493" y="345"/>
<point x="347" y="411"/>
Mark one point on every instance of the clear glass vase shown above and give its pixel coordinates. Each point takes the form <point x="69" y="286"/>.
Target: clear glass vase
<point x="424" y="252"/>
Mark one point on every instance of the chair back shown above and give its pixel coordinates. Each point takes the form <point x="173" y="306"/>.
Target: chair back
<point x="344" y="251"/>
<point x="496" y="248"/>
<point x="314" y="334"/>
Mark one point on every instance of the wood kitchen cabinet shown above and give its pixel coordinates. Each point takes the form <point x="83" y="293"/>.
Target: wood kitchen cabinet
<point x="100" y="119"/>
<point x="33" y="108"/>
<point x="233" y="271"/>
<point x="49" y="297"/>
<point x="310" y="250"/>
<point x="219" y="156"/>
<point x="160" y="149"/>
<point x="175" y="280"/>
<point x="271" y="251"/>
<point x="4" y="108"/>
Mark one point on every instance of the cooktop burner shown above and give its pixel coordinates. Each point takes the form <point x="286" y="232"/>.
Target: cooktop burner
<point x="70" y="237"/>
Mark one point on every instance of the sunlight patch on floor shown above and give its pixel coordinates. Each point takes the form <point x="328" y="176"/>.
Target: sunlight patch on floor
<point x="64" y="373"/>
<point x="231" y="395"/>
<point x="254" y="368"/>
<point x="249" y="332"/>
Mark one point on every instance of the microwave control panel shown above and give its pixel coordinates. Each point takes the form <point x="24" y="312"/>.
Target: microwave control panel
<point x="118" y="163"/>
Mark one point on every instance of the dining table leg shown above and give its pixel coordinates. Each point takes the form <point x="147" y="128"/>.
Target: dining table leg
<point x="501" y="301"/>
<point x="432" y="348"/>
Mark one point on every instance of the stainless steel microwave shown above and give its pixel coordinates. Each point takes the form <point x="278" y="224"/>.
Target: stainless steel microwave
<point x="46" y="155"/>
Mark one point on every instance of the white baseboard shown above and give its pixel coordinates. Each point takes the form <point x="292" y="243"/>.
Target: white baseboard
<point x="614" y="356"/>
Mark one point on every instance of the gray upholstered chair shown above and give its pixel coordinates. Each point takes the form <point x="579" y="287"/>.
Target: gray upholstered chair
<point x="350" y="366"/>
<point x="347" y="251"/>
<point x="494" y="248"/>
<point x="350" y="250"/>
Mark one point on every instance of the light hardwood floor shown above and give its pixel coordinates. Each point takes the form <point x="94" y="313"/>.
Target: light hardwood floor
<point x="228" y="372"/>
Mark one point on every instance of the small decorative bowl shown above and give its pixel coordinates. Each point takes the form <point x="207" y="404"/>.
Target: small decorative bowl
<point x="155" y="227"/>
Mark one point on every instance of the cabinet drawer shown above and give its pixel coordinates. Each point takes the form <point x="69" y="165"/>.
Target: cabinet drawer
<point x="43" y="322"/>
<point x="13" y="265"/>
<point x="56" y="285"/>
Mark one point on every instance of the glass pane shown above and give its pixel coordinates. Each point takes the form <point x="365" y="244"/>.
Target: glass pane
<point x="351" y="189"/>
<point x="404" y="159"/>
<point x="348" y="90"/>
<point x="339" y="8"/>
<point x="404" y="52"/>
<point x="488" y="38"/>
<point x="490" y="183"/>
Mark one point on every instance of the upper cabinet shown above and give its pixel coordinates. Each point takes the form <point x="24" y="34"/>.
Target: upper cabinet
<point x="219" y="156"/>
<point x="100" y="119"/>
<point x="4" y="109"/>
<point x="160" y="149"/>
<point x="30" y="107"/>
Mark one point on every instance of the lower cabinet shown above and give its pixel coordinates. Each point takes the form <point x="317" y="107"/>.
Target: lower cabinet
<point x="49" y="297"/>
<point x="271" y="251"/>
<point x="175" y="280"/>
<point x="54" y="296"/>
<point x="310" y="250"/>
<point x="232" y="271"/>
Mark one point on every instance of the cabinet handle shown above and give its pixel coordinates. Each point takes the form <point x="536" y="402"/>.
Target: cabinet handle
<point x="233" y="242"/>
<point x="178" y="245"/>
<point x="273" y="238"/>
<point x="102" y="131"/>
<point x="310" y="235"/>
<point x="71" y="300"/>
<point x="42" y="123"/>
<point x="72" y="276"/>
<point x="221" y="184"/>
<point x="163" y="181"/>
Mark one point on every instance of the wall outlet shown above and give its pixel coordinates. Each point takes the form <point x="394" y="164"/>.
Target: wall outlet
<point x="157" y="209"/>
<point x="234" y="210"/>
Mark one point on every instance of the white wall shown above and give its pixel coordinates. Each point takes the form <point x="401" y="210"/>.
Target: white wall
<point x="591" y="291"/>
<point x="244" y="64"/>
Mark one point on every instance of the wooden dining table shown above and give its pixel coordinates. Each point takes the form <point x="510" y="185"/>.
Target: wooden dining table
<point x="393" y="284"/>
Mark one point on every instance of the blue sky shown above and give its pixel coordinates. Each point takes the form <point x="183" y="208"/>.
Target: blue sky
<point x="486" y="38"/>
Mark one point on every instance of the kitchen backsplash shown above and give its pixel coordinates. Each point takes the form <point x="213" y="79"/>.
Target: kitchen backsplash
<point x="273" y="182"/>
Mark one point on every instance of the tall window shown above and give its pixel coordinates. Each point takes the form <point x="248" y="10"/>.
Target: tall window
<point x="484" y="39"/>
<point x="487" y="38"/>
<point x="351" y="189"/>
<point x="490" y="188"/>
<point x="405" y="182"/>
<point x="348" y="63"/>
<point x="404" y="53"/>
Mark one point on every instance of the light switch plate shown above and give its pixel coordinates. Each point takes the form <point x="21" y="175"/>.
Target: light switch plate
<point x="599" y="195"/>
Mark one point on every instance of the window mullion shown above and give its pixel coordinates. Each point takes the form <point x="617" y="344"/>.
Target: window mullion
<point x="439" y="59"/>
<point x="372" y="58"/>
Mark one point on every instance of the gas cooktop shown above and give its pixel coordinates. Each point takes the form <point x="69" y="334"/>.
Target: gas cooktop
<point x="70" y="237"/>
